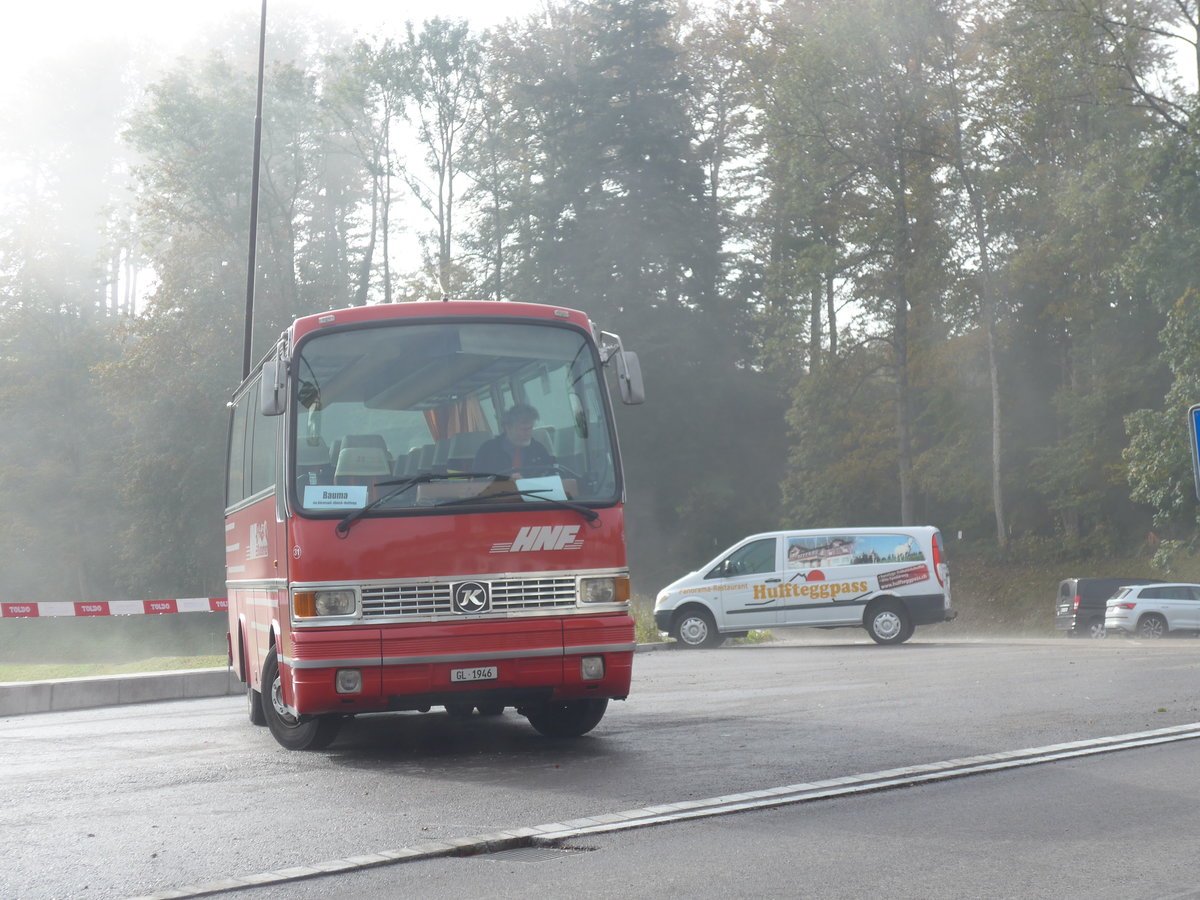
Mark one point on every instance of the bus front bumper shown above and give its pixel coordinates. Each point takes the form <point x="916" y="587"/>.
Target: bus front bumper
<point x="492" y="662"/>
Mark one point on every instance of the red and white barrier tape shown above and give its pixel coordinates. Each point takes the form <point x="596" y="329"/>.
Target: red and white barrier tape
<point x="113" y="607"/>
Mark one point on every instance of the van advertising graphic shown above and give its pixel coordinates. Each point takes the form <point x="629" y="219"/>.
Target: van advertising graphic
<point x="813" y="586"/>
<point x="900" y="577"/>
<point x="813" y="552"/>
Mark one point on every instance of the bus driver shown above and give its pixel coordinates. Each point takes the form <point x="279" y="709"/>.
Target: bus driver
<point x="515" y="451"/>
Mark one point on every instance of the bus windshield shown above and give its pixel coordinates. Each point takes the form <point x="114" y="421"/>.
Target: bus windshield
<point x="401" y="418"/>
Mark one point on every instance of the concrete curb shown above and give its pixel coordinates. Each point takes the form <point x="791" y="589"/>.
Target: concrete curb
<point x="22" y="697"/>
<point x="18" y="698"/>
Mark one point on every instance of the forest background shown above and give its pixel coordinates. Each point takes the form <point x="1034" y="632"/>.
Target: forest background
<point x="884" y="261"/>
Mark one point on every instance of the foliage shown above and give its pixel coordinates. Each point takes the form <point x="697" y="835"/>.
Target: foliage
<point x="883" y="261"/>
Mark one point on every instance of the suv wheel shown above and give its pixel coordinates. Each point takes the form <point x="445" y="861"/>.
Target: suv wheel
<point x="1152" y="626"/>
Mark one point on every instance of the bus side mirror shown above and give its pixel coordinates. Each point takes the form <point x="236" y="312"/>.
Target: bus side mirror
<point x="629" y="377"/>
<point x="272" y="400"/>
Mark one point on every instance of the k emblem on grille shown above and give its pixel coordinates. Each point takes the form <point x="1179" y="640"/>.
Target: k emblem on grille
<point x="471" y="597"/>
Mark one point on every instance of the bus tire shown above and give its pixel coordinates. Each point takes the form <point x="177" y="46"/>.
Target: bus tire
<point x="253" y="698"/>
<point x="293" y="732"/>
<point x="567" y="718"/>
<point x="459" y="710"/>
<point x="491" y="709"/>
<point x="695" y="627"/>
<point x="254" y="707"/>
<point x="888" y="623"/>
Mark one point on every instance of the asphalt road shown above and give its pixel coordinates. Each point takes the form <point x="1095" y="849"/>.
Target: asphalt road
<point x="1115" y="827"/>
<point x="127" y="801"/>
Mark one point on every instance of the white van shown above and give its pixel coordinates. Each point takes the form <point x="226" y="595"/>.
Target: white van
<point x="886" y="580"/>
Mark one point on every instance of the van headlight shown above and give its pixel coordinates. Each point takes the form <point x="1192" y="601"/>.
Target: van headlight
<point x="309" y="604"/>
<point x="604" y="590"/>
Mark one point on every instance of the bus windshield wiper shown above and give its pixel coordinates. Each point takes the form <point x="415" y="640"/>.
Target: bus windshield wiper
<point x="586" y="511"/>
<point x="403" y="484"/>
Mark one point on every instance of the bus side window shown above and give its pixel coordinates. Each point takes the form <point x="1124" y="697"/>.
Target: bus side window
<point x="260" y="448"/>
<point x="236" y="461"/>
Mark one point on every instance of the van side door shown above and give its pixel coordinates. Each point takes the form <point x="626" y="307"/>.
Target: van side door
<point x="825" y="580"/>
<point x="744" y="586"/>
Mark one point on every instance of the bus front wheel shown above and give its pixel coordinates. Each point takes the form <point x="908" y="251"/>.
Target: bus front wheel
<point x="568" y="718"/>
<point x="292" y="731"/>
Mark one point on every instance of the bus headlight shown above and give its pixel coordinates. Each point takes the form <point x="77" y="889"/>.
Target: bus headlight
<point x="307" y="604"/>
<point x="604" y="590"/>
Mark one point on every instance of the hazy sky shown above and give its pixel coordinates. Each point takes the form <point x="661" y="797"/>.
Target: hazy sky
<point x="33" y="31"/>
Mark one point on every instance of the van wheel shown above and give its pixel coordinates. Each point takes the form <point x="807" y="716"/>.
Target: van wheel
<point x="1095" y="628"/>
<point x="1152" y="626"/>
<point x="292" y="731"/>
<point x="695" y="628"/>
<point x="889" y="623"/>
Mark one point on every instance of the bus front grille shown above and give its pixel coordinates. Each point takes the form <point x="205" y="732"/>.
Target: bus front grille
<point x="434" y="598"/>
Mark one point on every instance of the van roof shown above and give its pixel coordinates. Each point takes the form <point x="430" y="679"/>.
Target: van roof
<point x="865" y="529"/>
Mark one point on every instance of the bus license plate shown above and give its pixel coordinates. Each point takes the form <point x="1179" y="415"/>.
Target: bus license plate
<point x="479" y="673"/>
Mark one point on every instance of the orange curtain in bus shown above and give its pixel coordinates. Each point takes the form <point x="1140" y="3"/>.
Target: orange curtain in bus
<point x="454" y="418"/>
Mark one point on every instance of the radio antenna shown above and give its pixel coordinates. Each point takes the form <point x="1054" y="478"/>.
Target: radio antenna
<point x="250" y="264"/>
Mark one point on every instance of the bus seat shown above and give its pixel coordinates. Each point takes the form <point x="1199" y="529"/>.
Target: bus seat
<point x="567" y="449"/>
<point x="425" y="459"/>
<point x="544" y="435"/>
<point x="407" y="463"/>
<point x="463" y="447"/>
<point x="368" y="440"/>
<point x="312" y="452"/>
<point x="313" y="462"/>
<point x="441" y="455"/>
<point x="361" y="465"/>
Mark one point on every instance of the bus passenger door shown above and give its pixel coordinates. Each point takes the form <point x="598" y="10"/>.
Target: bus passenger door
<point x="746" y="586"/>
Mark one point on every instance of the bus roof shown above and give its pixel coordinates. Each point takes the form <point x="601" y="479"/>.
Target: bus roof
<point x="424" y="309"/>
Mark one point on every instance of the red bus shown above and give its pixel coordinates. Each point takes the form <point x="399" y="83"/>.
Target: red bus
<point x="425" y="509"/>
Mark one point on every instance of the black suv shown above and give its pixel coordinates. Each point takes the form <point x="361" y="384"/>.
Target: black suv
<point x="1079" y="607"/>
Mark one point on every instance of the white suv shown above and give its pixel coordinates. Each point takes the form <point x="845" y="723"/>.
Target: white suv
<point x="1153" y="610"/>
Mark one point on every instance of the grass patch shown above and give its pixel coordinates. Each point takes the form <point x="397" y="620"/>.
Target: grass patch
<point x="1014" y="591"/>
<point x="644" y="629"/>
<point x="757" y="636"/>
<point x="54" y="671"/>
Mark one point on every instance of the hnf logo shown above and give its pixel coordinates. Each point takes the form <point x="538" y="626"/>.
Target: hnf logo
<point x="471" y="597"/>
<point x="257" y="547"/>
<point x="542" y="537"/>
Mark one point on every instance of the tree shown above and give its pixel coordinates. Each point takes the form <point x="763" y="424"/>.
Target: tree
<point x="859" y="86"/>
<point x="443" y="72"/>
<point x="181" y="357"/>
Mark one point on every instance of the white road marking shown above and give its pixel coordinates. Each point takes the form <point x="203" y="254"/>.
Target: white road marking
<point x="541" y="835"/>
